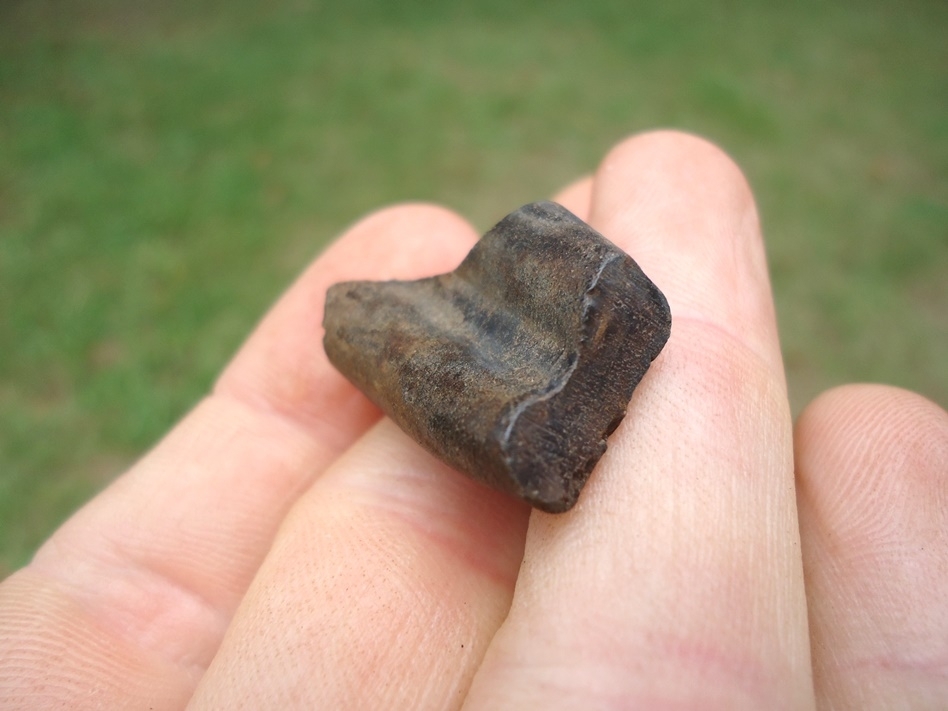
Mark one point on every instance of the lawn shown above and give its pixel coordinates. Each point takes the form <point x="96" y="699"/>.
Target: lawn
<point x="167" y="168"/>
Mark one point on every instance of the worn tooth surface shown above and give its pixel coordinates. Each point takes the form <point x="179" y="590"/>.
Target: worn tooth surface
<point x="516" y="366"/>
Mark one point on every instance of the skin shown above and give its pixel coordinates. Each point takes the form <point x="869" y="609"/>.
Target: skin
<point x="285" y="547"/>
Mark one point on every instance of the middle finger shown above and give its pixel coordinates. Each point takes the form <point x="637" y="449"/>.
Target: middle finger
<point x="676" y="581"/>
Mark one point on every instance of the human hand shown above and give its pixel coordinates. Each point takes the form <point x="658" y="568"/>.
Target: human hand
<point x="284" y="547"/>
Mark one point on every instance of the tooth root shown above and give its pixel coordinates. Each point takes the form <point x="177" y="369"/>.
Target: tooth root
<point x="515" y="367"/>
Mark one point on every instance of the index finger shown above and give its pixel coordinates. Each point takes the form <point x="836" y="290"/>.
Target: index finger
<point x="128" y="601"/>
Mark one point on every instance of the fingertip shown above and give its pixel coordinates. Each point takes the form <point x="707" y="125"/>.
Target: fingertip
<point x="403" y="241"/>
<point x="577" y="197"/>
<point x="865" y="430"/>
<point x="872" y="483"/>
<point x="682" y="154"/>
<point x="871" y="460"/>
<point x="685" y="212"/>
<point x="673" y="193"/>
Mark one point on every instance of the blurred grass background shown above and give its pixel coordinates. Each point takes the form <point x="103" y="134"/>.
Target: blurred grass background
<point x="166" y="168"/>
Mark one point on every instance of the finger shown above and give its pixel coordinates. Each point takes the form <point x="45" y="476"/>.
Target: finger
<point x="872" y="473"/>
<point x="577" y="197"/>
<point x="128" y="602"/>
<point x="676" y="581"/>
<point x="385" y="585"/>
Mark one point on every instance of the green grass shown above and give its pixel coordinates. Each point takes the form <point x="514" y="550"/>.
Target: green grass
<point x="166" y="168"/>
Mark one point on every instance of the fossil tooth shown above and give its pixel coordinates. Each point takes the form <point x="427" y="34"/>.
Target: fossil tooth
<point x="515" y="367"/>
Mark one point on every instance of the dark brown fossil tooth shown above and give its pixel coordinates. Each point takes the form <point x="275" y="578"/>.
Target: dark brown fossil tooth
<point x="516" y="366"/>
